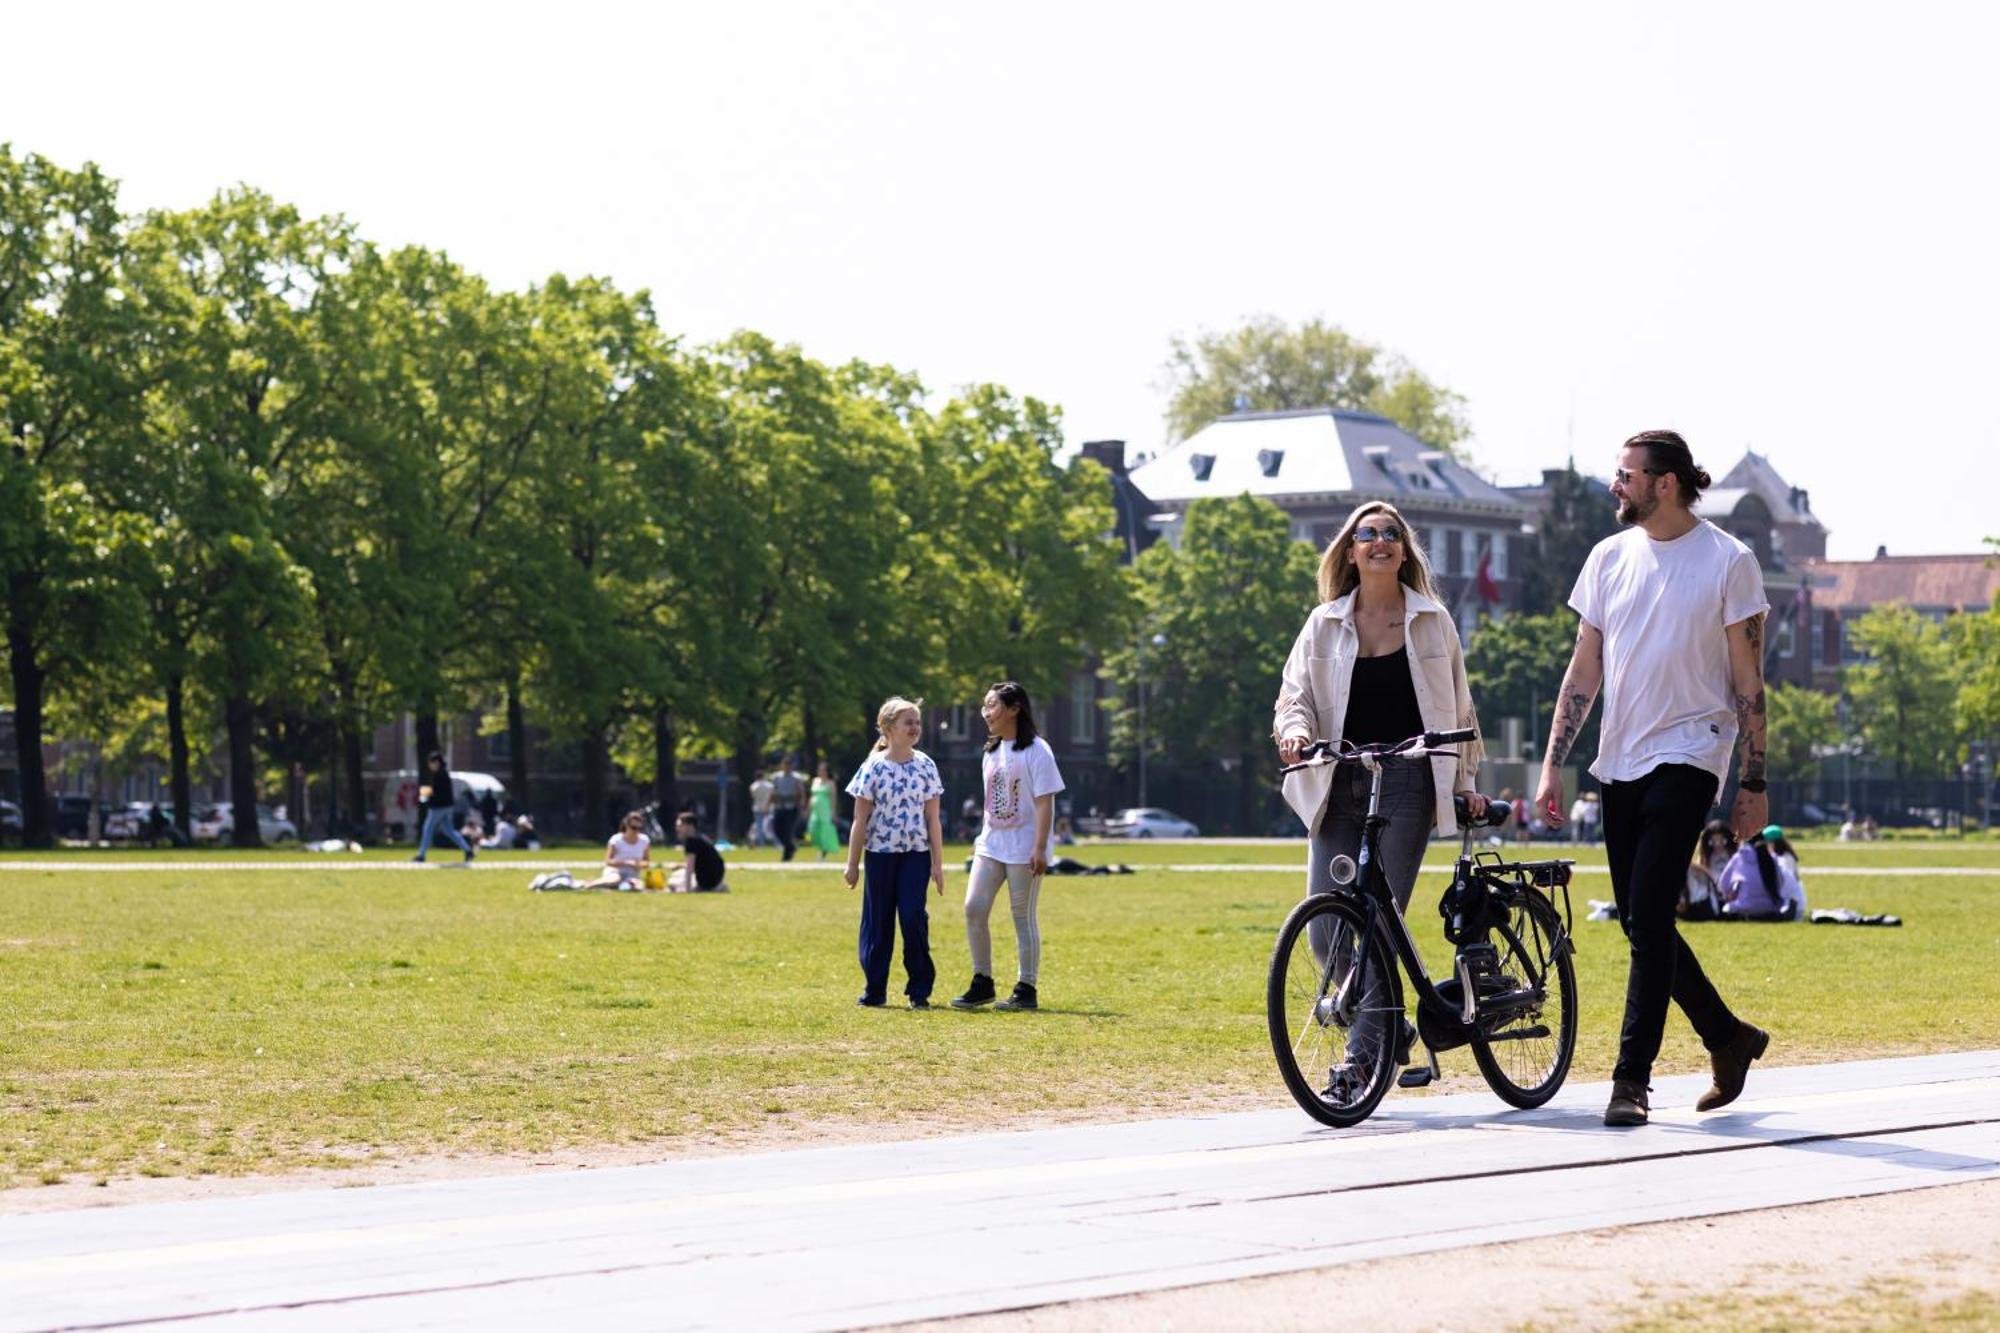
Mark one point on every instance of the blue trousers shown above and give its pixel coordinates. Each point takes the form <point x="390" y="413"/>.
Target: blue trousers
<point x="892" y="890"/>
<point x="435" y="820"/>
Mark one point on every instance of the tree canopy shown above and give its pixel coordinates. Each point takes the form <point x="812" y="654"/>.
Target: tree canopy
<point x="1267" y="365"/>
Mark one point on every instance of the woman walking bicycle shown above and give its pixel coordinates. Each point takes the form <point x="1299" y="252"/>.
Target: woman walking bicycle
<point x="1376" y="662"/>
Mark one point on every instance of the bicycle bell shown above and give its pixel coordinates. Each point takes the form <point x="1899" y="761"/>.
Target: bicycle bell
<point x="1342" y="868"/>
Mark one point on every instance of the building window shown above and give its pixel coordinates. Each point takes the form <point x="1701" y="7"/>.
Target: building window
<point x="1500" y="556"/>
<point x="1785" y="637"/>
<point x="1452" y="538"/>
<point x="500" y="745"/>
<point x="960" y="722"/>
<point x="1482" y="544"/>
<point x="1082" y="708"/>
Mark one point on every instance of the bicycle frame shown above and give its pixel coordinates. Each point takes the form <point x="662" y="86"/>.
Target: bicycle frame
<point x="1369" y="889"/>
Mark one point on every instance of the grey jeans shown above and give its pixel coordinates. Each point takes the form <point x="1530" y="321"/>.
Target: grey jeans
<point x="1409" y="802"/>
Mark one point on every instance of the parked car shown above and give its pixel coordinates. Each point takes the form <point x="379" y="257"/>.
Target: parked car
<point x="127" y="823"/>
<point x="71" y="817"/>
<point x="11" y="823"/>
<point x="218" y="824"/>
<point x="1149" y="822"/>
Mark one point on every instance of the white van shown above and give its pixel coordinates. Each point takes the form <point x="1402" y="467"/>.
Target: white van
<point x="399" y="797"/>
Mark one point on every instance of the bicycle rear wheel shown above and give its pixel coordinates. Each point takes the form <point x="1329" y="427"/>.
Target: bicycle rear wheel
<point x="1525" y="1050"/>
<point x="1335" y="1007"/>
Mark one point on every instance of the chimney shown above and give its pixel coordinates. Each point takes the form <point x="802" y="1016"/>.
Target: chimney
<point x="1110" y="453"/>
<point x="1881" y="553"/>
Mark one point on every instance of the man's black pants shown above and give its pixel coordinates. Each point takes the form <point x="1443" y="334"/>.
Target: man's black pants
<point x="785" y="823"/>
<point x="1651" y="825"/>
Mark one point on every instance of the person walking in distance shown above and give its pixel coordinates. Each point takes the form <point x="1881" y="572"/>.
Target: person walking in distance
<point x="1021" y="779"/>
<point x="788" y="798"/>
<point x="1672" y="613"/>
<point x="437" y="803"/>
<point x="896" y="822"/>
<point x="760" y="811"/>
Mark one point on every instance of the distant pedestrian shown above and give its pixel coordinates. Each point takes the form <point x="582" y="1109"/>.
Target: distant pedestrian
<point x="896" y="824"/>
<point x="437" y="804"/>
<point x="760" y="811"/>
<point x="489" y="810"/>
<point x="1672" y="629"/>
<point x="788" y="799"/>
<point x="821" y="831"/>
<point x="1014" y="847"/>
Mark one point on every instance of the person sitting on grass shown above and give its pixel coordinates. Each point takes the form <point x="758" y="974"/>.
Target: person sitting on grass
<point x="626" y="857"/>
<point x="702" y="871"/>
<point x="1757" y="886"/>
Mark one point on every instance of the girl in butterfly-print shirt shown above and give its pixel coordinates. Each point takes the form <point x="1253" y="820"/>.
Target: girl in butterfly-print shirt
<point x="896" y="796"/>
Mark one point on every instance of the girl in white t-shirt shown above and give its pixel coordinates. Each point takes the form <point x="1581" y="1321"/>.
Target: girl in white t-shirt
<point x="1014" y="847"/>
<point x="626" y="857"/>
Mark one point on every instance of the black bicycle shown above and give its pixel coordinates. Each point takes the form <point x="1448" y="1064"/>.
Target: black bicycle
<point x="1335" y="998"/>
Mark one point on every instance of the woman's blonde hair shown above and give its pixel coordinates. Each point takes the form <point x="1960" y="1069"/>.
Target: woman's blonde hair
<point x="892" y="708"/>
<point x="1337" y="576"/>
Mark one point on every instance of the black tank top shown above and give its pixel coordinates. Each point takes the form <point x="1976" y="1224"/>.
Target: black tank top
<point x="1381" y="701"/>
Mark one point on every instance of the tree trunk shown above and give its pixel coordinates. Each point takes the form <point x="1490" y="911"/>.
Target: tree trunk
<point x="180" y="786"/>
<point x="749" y="758"/>
<point x="357" y="787"/>
<point x="808" y="762"/>
<point x="241" y="719"/>
<point x="596" y="774"/>
<point x="427" y="736"/>
<point x="29" y="679"/>
<point x="517" y="749"/>
<point x="1249" y="795"/>
<point x="666" y="759"/>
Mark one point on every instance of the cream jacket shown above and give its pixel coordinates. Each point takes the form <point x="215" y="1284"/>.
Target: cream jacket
<point x="1312" y="700"/>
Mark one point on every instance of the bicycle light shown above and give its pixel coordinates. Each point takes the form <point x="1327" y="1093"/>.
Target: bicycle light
<point x="1342" y="868"/>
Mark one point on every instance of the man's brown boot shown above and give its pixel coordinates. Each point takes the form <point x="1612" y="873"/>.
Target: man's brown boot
<point x="1732" y="1066"/>
<point x="1628" y="1103"/>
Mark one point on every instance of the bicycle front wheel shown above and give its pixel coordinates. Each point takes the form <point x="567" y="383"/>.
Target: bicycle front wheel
<point x="1524" y="1050"/>
<point x="1335" y="1007"/>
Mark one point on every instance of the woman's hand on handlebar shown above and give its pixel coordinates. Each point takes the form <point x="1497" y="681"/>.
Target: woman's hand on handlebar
<point x="1291" y="747"/>
<point x="1475" y="803"/>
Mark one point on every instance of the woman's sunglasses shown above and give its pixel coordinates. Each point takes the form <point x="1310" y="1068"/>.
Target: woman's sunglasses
<point x="1388" y="532"/>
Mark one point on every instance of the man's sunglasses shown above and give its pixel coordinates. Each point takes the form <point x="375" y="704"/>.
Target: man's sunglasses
<point x="1388" y="532"/>
<point x="1624" y="478"/>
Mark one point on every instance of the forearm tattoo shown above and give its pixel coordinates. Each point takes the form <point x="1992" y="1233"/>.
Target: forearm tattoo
<point x="1571" y="710"/>
<point x="1750" y="724"/>
<point x="1753" y="630"/>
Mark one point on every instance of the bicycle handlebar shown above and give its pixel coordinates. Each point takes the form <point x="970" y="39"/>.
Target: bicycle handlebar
<point x="1319" y="753"/>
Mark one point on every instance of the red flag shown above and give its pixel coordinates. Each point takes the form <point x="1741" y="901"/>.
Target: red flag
<point x="1489" y="591"/>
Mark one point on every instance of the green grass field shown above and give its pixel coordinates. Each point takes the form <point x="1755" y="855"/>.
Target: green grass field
<point x="189" y="1021"/>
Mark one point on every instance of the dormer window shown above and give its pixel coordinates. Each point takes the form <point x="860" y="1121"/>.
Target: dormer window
<point x="1378" y="454"/>
<point x="1200" y="464"/>
<point x="1269" y="460"/>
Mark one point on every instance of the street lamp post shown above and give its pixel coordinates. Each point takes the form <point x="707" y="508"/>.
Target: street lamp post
<point x="1159" y="641"/>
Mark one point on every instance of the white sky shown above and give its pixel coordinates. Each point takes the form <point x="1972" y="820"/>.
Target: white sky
<point x="1771" y="226"/>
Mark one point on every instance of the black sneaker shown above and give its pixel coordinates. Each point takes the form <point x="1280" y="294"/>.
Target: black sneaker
<point x="871" y="1002"/>
<point x="1022" y="998"/>
<point x="978" y="993"/>
<point x="918" y="1002"/>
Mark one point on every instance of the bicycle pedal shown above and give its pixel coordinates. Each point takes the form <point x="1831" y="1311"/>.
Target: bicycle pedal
<point x="1416" y="1076"/>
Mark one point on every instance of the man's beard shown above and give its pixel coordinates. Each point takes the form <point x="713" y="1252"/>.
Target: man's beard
<point x="1630" y="513"/>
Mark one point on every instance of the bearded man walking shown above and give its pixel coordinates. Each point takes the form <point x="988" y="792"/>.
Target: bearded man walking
<point x="1672" y="629"/>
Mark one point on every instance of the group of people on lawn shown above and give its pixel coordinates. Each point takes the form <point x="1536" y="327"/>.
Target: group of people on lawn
<point x="1671" y="612"/>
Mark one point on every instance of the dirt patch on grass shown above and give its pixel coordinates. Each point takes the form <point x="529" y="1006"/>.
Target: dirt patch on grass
<point x="1909" y="1260"/>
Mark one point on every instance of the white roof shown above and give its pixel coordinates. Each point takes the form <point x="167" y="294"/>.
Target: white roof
<point x="1323" y="451"/>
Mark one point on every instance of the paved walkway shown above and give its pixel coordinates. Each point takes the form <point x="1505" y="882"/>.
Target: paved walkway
<point x="839" y="1237"/>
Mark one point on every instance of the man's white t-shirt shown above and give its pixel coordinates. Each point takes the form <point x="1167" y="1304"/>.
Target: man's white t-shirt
<point x="1662" y="608"/>
<point x="1014" y="780"/>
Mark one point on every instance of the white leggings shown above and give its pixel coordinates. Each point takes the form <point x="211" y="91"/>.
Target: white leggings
<point x="1023" y="889"/>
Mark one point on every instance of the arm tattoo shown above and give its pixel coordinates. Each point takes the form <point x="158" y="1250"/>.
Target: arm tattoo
<point x="1571" y="710"/>
<point x="1753" y="630"/>
<point x="1750" y="724"/>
